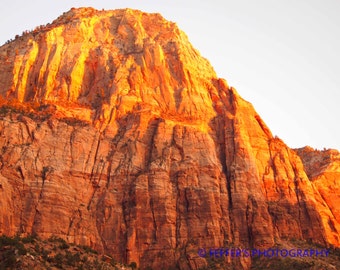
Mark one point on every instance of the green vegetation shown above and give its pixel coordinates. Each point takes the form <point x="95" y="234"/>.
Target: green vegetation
<point x="37" y="111"/>
<point x="89" y="249"/>
<point x="74" y="122"/>
<point x="33" y="110"/>
<point x="30" y="251"/>
<point x="10" y="247"/>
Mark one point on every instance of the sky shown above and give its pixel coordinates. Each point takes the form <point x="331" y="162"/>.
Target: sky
<point x="283" y="56"/>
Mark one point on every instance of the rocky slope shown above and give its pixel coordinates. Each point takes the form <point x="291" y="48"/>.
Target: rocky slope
<point x="323" y="169"/>
<point x="115" y="133"/>
<point x="53" y="253"/>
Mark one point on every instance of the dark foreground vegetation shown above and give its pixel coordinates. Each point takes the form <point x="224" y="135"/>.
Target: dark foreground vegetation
<point x="55" y="253"/>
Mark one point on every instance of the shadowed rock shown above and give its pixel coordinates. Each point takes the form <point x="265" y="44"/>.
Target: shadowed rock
<point x="146" y="154"/>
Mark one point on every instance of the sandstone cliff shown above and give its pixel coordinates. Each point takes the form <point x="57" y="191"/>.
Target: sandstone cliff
<point x="323" y="169"/>
<point x="116" y="133"/>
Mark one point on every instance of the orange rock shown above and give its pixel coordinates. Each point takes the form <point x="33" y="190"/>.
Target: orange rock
<point x="146" y="154"/>
<point x="323" y="169"/>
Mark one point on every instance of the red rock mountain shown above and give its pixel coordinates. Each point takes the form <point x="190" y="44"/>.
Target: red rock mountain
<point x="116" y="133"/>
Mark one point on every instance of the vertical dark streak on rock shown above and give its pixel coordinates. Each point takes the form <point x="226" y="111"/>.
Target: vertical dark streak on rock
<point x="72" y="135"/>
<point x="95" y="185"/>
<point x="154" y="233"/>
<point x="273" y="166"/>
<point x="228" y="171"/>
<point x="153" y="126"/>
<point x="126" y="219"/>
<point x="174" y="179"/>
<point x="249" y="220"/>
<point x="99" y="219"/>
<point x="70" y="225"/>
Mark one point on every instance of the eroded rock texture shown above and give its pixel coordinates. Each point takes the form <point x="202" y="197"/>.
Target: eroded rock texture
<point x="147" y="155"/>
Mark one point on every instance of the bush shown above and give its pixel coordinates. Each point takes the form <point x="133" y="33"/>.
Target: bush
<point x="10" y="247"/>
<point x="72" y="260"/>
<point x="37" y="248"/>
<point x="54" y="239"/>
<point x="84" y="259"/>
<point x="14" y="242"/>
<point x="88" y="249"/>
<point x="58" y="259"/>
<point x="29" y="239"/>
<point x="6" y="241"/>
<point x="133" y="265"/>
<point x="44" y="254"/>
<point x="8" y="261"/>
<point x="64" y="246"/>
<point x="74" y="122"/>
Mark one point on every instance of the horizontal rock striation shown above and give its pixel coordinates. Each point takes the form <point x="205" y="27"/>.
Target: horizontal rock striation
<point x="145" y="155"/>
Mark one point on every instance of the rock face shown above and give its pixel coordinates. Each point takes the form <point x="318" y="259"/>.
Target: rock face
<point x="116" y="133"/>
<point x="323" y="169"/>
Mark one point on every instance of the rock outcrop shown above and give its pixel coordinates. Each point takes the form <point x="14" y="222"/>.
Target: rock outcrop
<point x="116" y="133"/>
<point x="323" y="169"/>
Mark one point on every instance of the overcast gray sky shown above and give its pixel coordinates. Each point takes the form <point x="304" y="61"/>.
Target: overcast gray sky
<point x="282" y="56"/>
